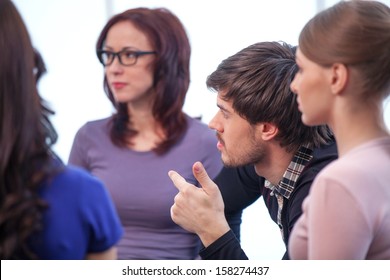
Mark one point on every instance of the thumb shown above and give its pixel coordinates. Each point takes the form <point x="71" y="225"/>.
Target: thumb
<point x="203" y="178"/>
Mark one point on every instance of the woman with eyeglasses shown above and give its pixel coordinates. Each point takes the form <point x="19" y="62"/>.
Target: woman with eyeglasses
<point x="146" y="54"/>
<point x="47" y="210"/>
<point x="343" y="79"/>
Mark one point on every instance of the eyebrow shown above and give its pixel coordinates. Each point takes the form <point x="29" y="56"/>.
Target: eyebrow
<point x="123" y="49"/>
<point x="222" y="108"/>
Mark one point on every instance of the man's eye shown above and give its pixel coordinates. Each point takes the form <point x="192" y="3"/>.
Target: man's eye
<point x="224" y="114"/>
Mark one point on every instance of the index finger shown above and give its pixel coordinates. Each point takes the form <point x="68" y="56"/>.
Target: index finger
<point x="179" y="182"/>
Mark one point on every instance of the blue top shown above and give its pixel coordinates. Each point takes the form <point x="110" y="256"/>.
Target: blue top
<point x="80" y="217"/>
<point x="141" y="188"/>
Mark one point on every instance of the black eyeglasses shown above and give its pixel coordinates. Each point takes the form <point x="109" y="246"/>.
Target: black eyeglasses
<point x="126" y="57"/>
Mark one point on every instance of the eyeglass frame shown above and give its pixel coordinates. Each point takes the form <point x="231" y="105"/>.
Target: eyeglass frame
<point x="117" y="54"/>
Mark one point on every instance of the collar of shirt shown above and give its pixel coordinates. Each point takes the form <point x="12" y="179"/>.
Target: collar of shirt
<point x="291" y="175"/>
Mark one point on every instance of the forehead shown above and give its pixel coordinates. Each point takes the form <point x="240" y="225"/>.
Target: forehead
<point x="125" y="34"/>
<point x="301" y="58"/>
<point x="228" y="104"/>
<point x="298" y="54"/>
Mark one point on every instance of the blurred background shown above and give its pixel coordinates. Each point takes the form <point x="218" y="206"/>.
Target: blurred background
<point x="65" y="32"/>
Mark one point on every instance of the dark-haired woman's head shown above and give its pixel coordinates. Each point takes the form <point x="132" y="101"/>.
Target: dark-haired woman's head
<point x="146" y="56"/>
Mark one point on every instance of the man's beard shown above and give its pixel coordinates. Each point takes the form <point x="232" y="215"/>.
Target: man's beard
<point x="254" y="153"/>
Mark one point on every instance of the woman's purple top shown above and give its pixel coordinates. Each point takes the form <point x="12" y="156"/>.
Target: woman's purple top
<point x="141" y="189"/>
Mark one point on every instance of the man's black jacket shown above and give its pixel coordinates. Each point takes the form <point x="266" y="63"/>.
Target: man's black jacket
<point x="241" y="186"/>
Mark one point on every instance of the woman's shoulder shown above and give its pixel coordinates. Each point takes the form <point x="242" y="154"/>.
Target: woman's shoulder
<point x="83" y="201"/>
<point x="96" y="124"/>
<point x="199" y="134"/>
<point x="196" y="125"/>
<point x="75" y="179"/>
<point x="93" y="130"/>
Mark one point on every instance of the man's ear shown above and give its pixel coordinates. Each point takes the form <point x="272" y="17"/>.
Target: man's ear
<point x="339" y="78"/>
<point x="268" y="131"/>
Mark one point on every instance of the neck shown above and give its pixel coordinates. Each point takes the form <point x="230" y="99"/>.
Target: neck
<point x="142" y="120"/>
<point x="276" y="164"/>
<point x="150" y="132"/>
<point x="354" y="126"/>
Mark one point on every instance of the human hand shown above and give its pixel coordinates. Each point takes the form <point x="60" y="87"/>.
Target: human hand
<point x="199" y="210"/>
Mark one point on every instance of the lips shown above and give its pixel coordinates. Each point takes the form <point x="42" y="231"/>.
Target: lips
<point x="118" y="85"/>
<point x="220" y="143"/>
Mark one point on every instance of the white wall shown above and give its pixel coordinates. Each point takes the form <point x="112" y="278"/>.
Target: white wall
<point x="65" y="32"/>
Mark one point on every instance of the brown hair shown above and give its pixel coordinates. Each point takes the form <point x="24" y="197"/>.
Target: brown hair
<point x="357" y="34"/>
<point x="171" y="74"/>
<point x="26" y="135"/>
<point x="257" y="80"/>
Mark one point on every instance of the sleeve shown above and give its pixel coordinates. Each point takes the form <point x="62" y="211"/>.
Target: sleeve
<point x="78" y="153"/>
<point x="227" y="247"/>
<point x="337" y="226"/>
<point x="104" y="226"/>
<point x="239" y="188"/>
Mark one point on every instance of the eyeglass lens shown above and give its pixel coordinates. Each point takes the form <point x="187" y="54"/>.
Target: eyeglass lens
<point x="126" y="57"/>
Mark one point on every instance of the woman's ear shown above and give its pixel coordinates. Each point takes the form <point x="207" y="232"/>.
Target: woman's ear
<point x="268" y="131"/>
<point x="339" y="78"/>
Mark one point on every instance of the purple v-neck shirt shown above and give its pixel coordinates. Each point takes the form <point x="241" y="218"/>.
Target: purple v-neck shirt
<point x="141" y="189"/>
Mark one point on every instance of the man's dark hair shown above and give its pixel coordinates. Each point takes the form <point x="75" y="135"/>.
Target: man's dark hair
<point x="257" y="80"/>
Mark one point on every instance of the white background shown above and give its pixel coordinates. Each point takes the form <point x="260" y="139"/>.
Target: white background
<point x="205" y="270"/>
<point x="65" y="32"/>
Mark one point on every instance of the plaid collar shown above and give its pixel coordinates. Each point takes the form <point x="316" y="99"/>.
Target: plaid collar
<point x="291" y="175"/>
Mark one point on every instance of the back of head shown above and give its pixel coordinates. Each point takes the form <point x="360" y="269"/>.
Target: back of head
<point x="16" y="78"/>
<point x="169" y="40"/>
<point x="257" y="80"/>
<point x="357" y="34"/>
<point x="25" y="134"/>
